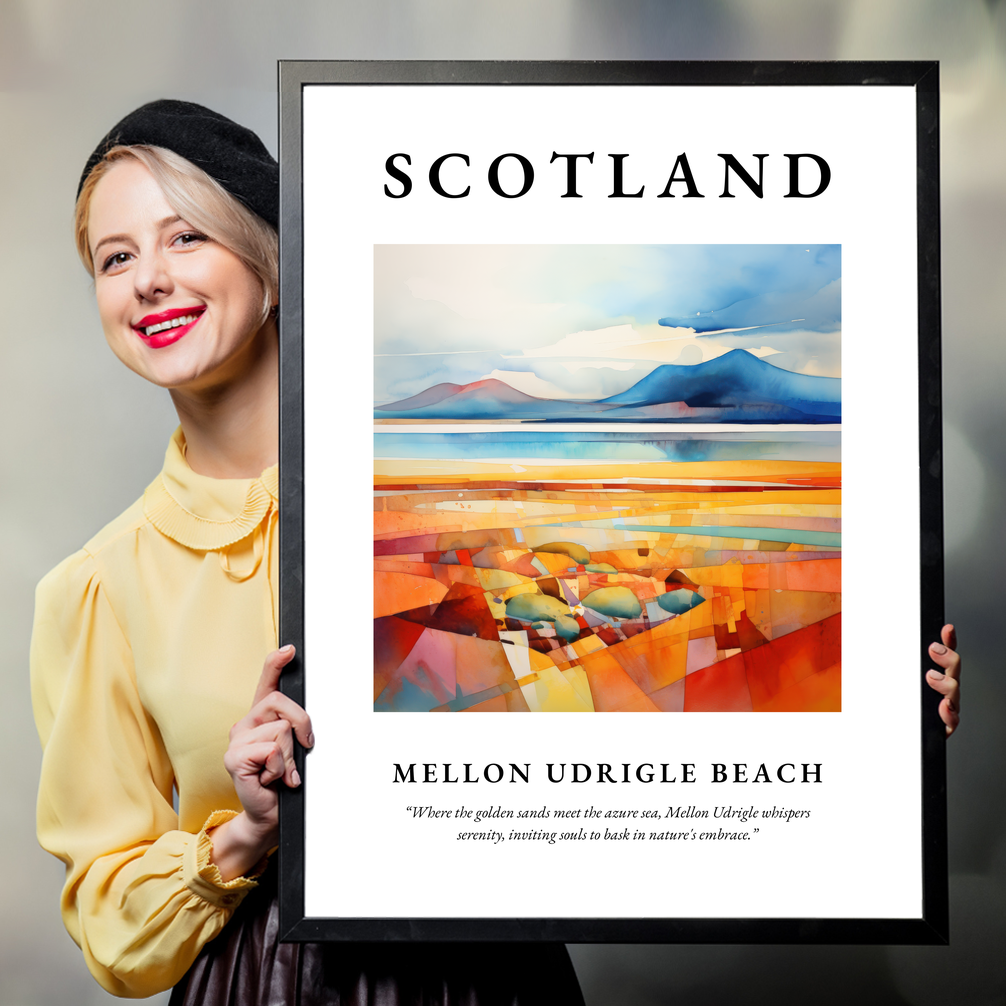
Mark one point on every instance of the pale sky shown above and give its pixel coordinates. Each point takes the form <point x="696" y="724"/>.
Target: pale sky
<point x="588" y="321"/>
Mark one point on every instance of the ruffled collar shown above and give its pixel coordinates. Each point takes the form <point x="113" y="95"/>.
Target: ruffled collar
<point x="203" y="513"/>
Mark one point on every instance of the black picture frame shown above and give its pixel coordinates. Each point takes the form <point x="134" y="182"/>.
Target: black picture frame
<point x="931" y="927"/>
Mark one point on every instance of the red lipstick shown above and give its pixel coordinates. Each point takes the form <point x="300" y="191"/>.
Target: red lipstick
<point x="166" y="327"/>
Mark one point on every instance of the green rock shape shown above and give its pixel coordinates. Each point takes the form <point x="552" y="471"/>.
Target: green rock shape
<point x="577" y="553"/>
<point x="567" y="627"/>
<point x="677" y="602"/>
<point x="601" y="567"/>
<point x="615" y="602"/>
<point x="536" y="608"/>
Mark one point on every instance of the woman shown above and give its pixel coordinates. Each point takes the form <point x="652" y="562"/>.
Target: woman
<point x="149" y="642"/>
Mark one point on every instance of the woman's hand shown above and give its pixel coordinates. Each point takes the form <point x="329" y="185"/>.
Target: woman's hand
<point x="260" y="753"/>
<point x="947" y="682"/>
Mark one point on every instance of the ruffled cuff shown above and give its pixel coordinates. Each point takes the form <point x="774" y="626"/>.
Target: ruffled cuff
<point x="203" y="878"/>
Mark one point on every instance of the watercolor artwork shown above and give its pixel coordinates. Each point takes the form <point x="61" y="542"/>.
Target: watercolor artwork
<point x="585" y="547"/>
<point x="599" y="572"/>
<point x="607" y="333"/>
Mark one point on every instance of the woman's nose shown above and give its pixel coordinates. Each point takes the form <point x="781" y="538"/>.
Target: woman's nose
<point x="152" y="277"/>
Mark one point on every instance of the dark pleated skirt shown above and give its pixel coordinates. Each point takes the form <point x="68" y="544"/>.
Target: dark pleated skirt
<point x="246" y="965"/>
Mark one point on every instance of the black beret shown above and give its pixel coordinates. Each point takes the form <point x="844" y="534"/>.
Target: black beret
<point x="230" y="154"/>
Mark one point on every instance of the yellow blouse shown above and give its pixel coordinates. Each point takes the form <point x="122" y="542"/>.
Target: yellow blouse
<point x="147" y="647"/>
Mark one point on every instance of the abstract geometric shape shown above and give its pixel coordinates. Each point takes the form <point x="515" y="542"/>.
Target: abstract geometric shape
<point x="721" y="688"/>
<point x="611" y="689"/>
<point x="480" y="664"/>
<point x="465" y="612"/>
<point x="393" y="640"/>
<point x="677" y="602"/>
<point x="744" y="636"/>
<point x="551" y="691"/>
<point x="567" y="627"/>
<point x="426" y="678"/>
<point x="653" y="659"/>
<point x="615" y="602"/>
<point x="536" y="607"/>
<point x="701" y="653"/>
<point x="576" y="552"/>
<point x="782" y="663"/>
<point x="677" y="578"/>
<point x="394" y="592"/>
<point x="670" y="698"/>
<point x="499" y="579"/>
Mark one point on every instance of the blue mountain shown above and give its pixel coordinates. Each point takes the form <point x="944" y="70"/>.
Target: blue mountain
<point x="736" y="379"/>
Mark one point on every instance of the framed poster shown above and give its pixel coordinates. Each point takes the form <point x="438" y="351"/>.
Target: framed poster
<point x="583" y="366"/>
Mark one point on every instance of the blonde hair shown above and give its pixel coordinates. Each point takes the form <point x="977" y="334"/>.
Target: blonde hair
<point x="199" y="200"/>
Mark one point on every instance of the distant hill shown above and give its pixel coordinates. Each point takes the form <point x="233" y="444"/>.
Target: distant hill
<point x="431" y="396"/>
<point x="736" y="387"/>
<point x="489" y="399"/>
<point x="737" y="378"/>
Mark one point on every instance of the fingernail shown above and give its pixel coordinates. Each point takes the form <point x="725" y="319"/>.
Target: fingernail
<point x="295" y="777"/>
<point x="310" y="740"/>
<point x="938" y="648"/>
<point x="287" y="649"/>
<point x="936" y="675"/>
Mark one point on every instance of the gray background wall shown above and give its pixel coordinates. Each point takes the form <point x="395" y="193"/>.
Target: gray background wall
<point x="82" y="436"/>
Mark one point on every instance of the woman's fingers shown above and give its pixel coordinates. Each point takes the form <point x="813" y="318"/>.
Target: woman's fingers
<point x="949" y="688"/>
<point x="274" y="766"/>
<point x="258" y="761"/>
<point x="274" y="735"/>
<point x="261" y="749"/>
<point x="277" y="706"/>
<point x="947" y="680"/>
<point x="949" y="636"/>
<point x="271" y="671"/>
<point x="945" y="655"/>
<point x="948" y="660"/>
<point x="270" y="703"/>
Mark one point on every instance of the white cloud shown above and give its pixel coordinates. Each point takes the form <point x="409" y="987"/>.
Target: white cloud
<point x="628" y="345"/>
<point x="529" y="384"/>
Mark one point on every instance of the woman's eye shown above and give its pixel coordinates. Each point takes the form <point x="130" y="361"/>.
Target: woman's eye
<point x="114" y="261"/>
<point x="190" y="238"/>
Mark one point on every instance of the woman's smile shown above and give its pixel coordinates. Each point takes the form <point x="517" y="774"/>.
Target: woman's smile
<point x="167" y="327"/>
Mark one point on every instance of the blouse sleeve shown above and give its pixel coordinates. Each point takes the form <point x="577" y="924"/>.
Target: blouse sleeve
<point x="141" y="898"/>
